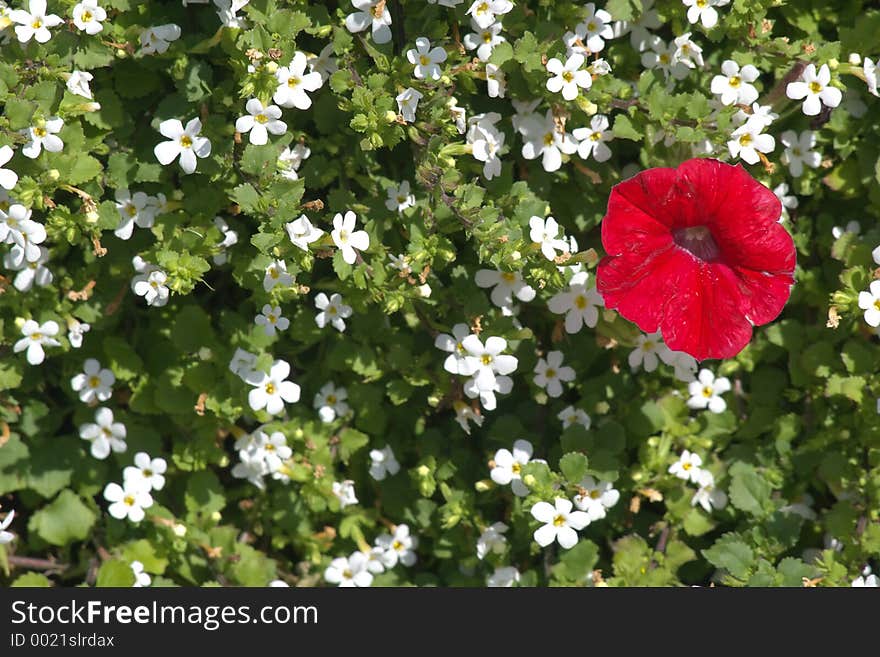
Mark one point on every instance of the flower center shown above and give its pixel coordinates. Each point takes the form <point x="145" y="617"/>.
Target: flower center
<point x="186" y="141"/>
<point x="487" y="37"/>
<point x="508" y="277"/>
<point x="40" y="132"/>
<point x="745" y="140"/>
<point x="148" y="473"/>
<point x="580" y="301"/>
<point x="702" y="3"/>
<point x="708" y="392"/>
<point x="550" y="373"/>
<point x="347" y="574"/>
<point x="331" y="399"/>
<point x="270" y="388"/>
<point x="292" y="81"/>
<point x="698" y="241"/>
<point x="37" y="24"/>
<point x="548" y="139"/>
<point x="397" y="545"/>
<point x="261" y="118"/>
<point x="877" y="304"/>
<point x="130" y="210"/>
<point x="594" y="494"/>
<point x="486" y="359"/>
<point x="86" y="16"/>
<point x="273" y="273"/>
<point x="796" y="152"/>
<point x="482" y="8"/>
<point x="272" y="319"/>
<point x="424" y="60"/>
<point x="559" y="520"/>
<point x="36" y="336"/>
<point x="591" y="26"/>
<point x="128" y="500"/>
<point x="94" y="382"/>
<point x="270" y="447"/>
<point x="648" y="346"/>
<point x="815" y="87"/>
<point x="686" y="466"/>
<point x="596" y="136"/>
<point x="664" y="58"/>
<point x="516" y="468"/>
<point x="734" y="81"/>
<point x="331" y="310"/>
<point x="568" y="76"/>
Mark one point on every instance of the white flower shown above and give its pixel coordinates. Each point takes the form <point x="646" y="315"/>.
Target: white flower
<point x="685" y="365"/>
<point x="815" y="88"/>
<point x="93" y="383"/>
<point x="662" y="56"/>
<point x="352" y="571"/>
<point x="371" y="13"/>
<point x="687" y="52"/>
<point x="485" y="12"/>
<point x="596" y="498"/>
<point x="748" y="140"/>
<point x="75" y="331"/>
<point x="735" y="85"/>
<point x="156" y="39"/>
<point x="44" y="134"/>
<point x="595" y="28"/>
<point x="408" y="103"/>
<point x="399" y="197"/>
<point x="87" y="16"/>
<point x="851" y="226"/>
<point x="550" y="373"/>
<point x="346" y="238"/>
<point x="294" y="84"/>
<point x="29" y="273"/>
<point x="506" y="286"/>
<point x="639" y="29"/>
<point x="486" y="144"/>
<point x="579" y="304"/>
<point x="799" y="151"/>
<point x="706" y="392"/>
<point x="473" y="389"/>
<point x="463" y="414"/>
<point x="148" y="473"/>
<point x="345" y="493"/>
<point x="760" y="115"/>
<point x="227" y="11"/>
<point x="141" y="579"/>
<point x="8" y="177"/>
<point x="399" y="262"/>
<point x="496" y="83"/>
<point x="37" y="336"/>
<point x="242" y="363"/>
<point x="151" y="286"/>
<point x="646" y="352"/>
<point x="183" y="142"/>
<point x="687" y="467"/>
<point x="862" y="581"/>
<point x="508" y="465"/>
<point x="5" y="536"/>
<point x="104" y="434"/>
<point x="17" y="227"/>
<point x="276" y="274"/>
<point x="290" y="160"/>
<point x="546" y="233"/>
<point x="332" y="311"/>
<point x="445" y="3"/>
<point x="272" y="390"/>
<point x="426" y="60"/>
<point x="568" y="77"/>
<point x="272" y="320"/>
<point x="489" y="359"/>
<point x="35" y="22"/>
<point x="504" y="577"/>
<point x="127" y="501"/>
<point x="459" y="115"/>
<point x="704" y="11"/>
<point x="869" y="301"/>
<point x="789" y="201"/>
<point x="707" y="496"/>
<point x="230" y="238"/>
<point x="383" y="463"/>
<point x="492" y="540"/>
<point x="571" y="415"/>
<point x="483" y="39"/>
<point x="133" y="209"/>
<point x="560" y="523"/>
<point x="458" y="361"/>
<point x="324" y="63"/>
<point x="592" y="140"/>
<point x="541" y="138"/>
<point x="869" y="68"/>
<point x="260" y="121"/>
<point x="330" y="402"/>
<point x="400" y="547"/>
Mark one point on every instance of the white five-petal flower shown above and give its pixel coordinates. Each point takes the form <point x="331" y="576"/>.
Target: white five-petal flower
<point x="560" y="523"/>
<point x="346" y="238"/>
<point x="272" y="390"/>
<point x="706" y="391"/>
<point x="260" y="121"/>
<point x="294" y="84"/>
<point x="814" y="87"/>
<point x="185" y="143"/>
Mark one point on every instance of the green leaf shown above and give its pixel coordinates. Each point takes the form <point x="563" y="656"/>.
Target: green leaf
<point x="624" y="129"/>
<point x="574" y="467"/>
<point x="65" y="520"/>
<point x="749" y="491"/>
<point x="732" y="554"/>
<point x="116" y="574"/>
<point x="32" y="580"/>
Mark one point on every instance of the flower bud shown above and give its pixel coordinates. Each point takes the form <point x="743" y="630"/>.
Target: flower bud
<point x="179" y="530"/>
<point x="53" y="174"/>
<point x="271" y="67"/>
<point x="483" y="485"/>
<point x="833" y="64"/>
<point x="529" y="480"/>
<point x="391" y="117"/>
<point x="855" y="58"/>
<point x="92" y="217"/>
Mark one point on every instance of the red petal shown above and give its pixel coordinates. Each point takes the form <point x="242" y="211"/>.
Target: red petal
<point x="763" y="295"/>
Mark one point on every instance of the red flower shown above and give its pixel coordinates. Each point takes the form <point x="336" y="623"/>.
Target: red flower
<point x="696" y="252"/>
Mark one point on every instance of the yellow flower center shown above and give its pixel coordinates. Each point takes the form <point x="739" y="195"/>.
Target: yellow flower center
<point x="686" y="466"/>
<point x="424" y="60"/>
<point x="580" y="301"/>
<point x="548" y="139"/>
<point x="595" y="136"/>
<point x="94" y="382"/>
<point x="877" y="304"/>
<point x="664" y="58"/>
<point x="86" y="16"/>
<point x="331" y="310"/>
<point x="815" y="87"/>
<point x="486" y="359"/>
<point x="36" y="336"/>
<point x="591" y="26"/>
<point x="734" y="81"/>
<point x="261" y="118"/>
<point x="293" y="81"/>
<point x="273" y="273"/>
<point x="594" y="494"/>
<point x="270" y="388"/>
<point x="37" y="24"/>
<point x="708" y="391"/>
<point x="331" y="399"/>
<point x="559" y="520"/>
<point x="702" y="3"/>
<point x="568" y="76"/>
<point x="550" y="373"/>
<point x="397" y="545"/>
<point x="516" y="468"/>
<point x="270" y="447"/>
<point x="745" y="140"/>
<point x="487" y="37"/>
<point x="508" y="277"/>
<point x="482" y="8"/>
<point x="148" y="473"/>
<point x="40" y="132"/>
<point x="648" y="346"/>
<point x="128" y="500"/>
<point x="186" y="141"/>
<point x="347" y="574"/>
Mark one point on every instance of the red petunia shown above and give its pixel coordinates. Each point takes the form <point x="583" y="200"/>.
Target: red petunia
<point x="696" y="252"/>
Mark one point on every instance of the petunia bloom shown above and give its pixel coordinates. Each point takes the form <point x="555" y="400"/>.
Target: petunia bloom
<point x="697" y="253"/>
